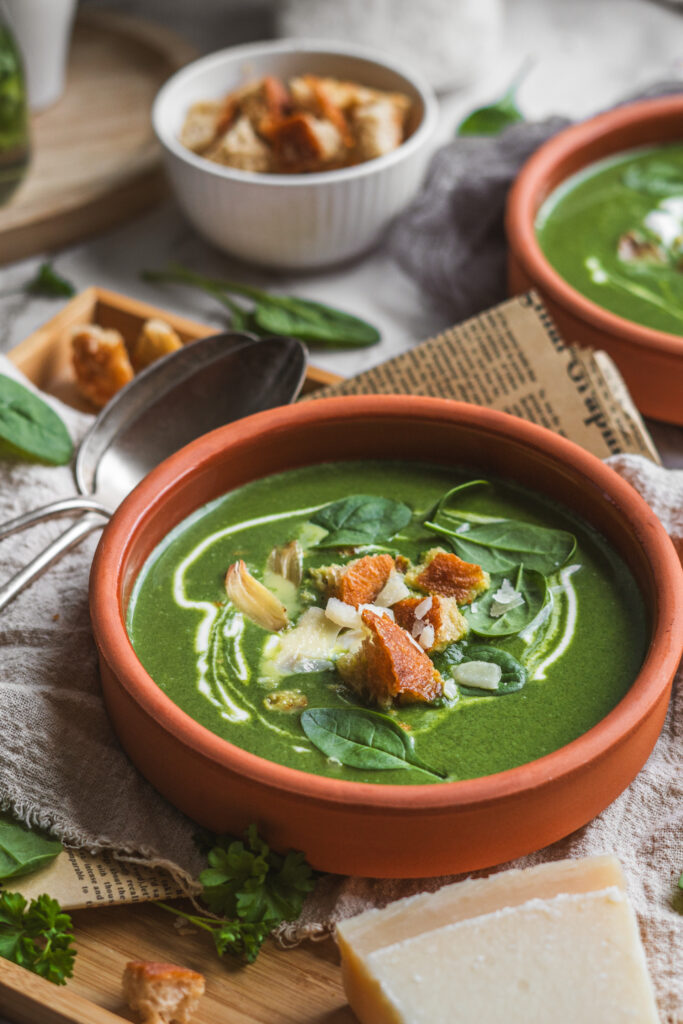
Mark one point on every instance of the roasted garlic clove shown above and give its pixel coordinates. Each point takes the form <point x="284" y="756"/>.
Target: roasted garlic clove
<point x="287" y="561"/>
<point x="253" y="599"/>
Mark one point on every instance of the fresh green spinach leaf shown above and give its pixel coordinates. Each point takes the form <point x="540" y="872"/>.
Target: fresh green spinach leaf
<point x="513" y="674"/>
<point x="447" y="659"/>
<point x="655" y="178"/>
<point x="49" y="284"/>
<point x="23" y="850"/>
<point x="441" y="507"/>
<point x="360" y="519"/>
<point x="362" y="739"/>
<point x="529" y="583"/>
<point x="29" y="428"/>
<point x="313" y="322"/>
<point x="502" y="544"/>
<point x="495" y="117"/>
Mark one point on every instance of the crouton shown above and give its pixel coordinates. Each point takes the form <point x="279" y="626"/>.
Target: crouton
<point x="305" y="142"/>
<point x="441" y="572"/>
<point x="263" y="101"/>
<point x="162" y="993"/>
<point x="100" y="361"/>
<point x="156" y="339"/>
<point x="447" y="622"/>
<point x="357" y="582"/>
<point x="389" y="667"/>
<point x="240" y="147"/>
<point x="201" y="126"/>
<point x="378" y="127"/>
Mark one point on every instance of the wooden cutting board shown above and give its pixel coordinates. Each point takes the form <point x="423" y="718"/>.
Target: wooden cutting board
<point x="95" y="159"/>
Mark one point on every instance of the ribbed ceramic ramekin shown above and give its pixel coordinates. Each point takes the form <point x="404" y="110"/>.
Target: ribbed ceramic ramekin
<point x="292" y="220"/>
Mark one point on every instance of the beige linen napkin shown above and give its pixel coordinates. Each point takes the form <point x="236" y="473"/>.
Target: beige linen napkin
<point x="61" y="766"/>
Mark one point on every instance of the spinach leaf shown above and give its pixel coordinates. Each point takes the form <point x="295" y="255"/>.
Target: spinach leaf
<point x="310" y="321"/>
<point x="313" y="322"/>
<point x="29" y="427"/>
<point x="49" y="284"/>
<point x="360" y="519"/>
<point x="513" y="674"/>
<point x="505" y="543"/>
<point x="533" y="588"/>
<point x="447" y="659"/>
<point x="23" y="850"/>
<point x="494" y="117"/>
<point x="441" y="507"/>
<point x="654" y="178"/>
<point x="362" y="739"/>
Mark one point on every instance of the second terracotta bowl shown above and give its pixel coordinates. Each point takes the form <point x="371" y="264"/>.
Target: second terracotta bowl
<point x="384" y="830"/>
<point x="651" y="361"/>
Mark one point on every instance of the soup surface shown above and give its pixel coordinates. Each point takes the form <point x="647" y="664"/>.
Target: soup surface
<point x="615" y="232"/>
<point x="544" y="643"/>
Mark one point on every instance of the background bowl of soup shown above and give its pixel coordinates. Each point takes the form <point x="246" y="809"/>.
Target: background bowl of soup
<point x="615" y="183"/>
<point x="386" y="830"/>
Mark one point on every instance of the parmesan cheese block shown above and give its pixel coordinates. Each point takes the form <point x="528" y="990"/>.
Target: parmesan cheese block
<point x="558" y="943"/>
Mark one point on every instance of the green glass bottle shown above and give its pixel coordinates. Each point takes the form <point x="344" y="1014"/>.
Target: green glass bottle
<point x="14" y="122"/>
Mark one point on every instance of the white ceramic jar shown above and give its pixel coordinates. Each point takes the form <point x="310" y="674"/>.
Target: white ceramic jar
<point x="43" y="31"/>
<point x="292" y="220"/>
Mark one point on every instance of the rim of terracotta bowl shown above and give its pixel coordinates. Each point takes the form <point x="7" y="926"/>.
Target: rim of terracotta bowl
<point x="418" y="137"/>
<point x="271" y="427"/>
<point x="531" y="189"/>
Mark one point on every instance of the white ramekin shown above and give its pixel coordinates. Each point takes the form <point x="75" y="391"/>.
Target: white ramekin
<point x="292" y="220"/>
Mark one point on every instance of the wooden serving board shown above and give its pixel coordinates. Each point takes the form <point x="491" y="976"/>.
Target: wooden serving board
<point x="298" y="986"/>
<point x="95" y="160"/>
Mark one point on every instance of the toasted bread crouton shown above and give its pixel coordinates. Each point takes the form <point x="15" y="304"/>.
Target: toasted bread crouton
<point x="100" y="361"/>
<point x="447" y="622"/>
<point x="240" y="147"/>
<point x="389" y="667"/>
<point x="201" y="125"/>
<point x="441" y="572"/>
<point x="305" y="142"/>
<point x="162" y="993"/>
<point x="378" y="127"/>
<point x="357" y="582"/>
<point x="263" y="101"/>
<point x="156" y="339"/>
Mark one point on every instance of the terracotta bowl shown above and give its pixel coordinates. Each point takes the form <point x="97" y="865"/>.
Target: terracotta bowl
<point x="360" y="828"/>
<point x="651" y="361"/>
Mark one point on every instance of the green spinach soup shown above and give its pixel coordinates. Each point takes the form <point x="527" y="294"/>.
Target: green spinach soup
<point x="615" y="232"/>
<point x="389" y="622"/>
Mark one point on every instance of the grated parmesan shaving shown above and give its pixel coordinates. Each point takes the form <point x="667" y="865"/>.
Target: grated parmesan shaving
<point x="423" y="607"/>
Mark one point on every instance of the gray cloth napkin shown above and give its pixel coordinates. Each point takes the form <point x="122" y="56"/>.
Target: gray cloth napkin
<point x="451" y="239"/>
<point x="61" y="766"/>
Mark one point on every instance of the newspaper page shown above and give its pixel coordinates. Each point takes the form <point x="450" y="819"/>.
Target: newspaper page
<point x="512" y="358"/>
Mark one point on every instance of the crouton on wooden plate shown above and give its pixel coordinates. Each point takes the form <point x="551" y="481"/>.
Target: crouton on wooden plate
<point x="100" y="361"/>
<point x="162" y="993"/>
<point x="442" y="572"/>
<point x="389" y="667"/>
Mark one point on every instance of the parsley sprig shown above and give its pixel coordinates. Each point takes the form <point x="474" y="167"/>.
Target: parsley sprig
<point x="37" y="936"/>
<point x="251" y="889"/>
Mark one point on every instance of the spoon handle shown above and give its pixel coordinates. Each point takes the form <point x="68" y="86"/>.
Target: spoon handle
<point x="67" y="540"/>
<point x="63" y="507"/>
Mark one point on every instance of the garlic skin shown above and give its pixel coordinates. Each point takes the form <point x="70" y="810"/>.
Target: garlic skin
<point x="287" y="562"/>
<point x="253" y="599"/>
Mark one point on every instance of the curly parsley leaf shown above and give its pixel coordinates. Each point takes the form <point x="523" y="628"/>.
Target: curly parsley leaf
<point x="253" y="889"/>
<point x="37" y="936"/>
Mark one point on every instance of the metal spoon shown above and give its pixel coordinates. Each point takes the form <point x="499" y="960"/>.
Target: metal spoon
<point x="202" y="386"/>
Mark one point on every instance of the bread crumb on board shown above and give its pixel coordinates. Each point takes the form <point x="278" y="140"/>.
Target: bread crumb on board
<point x="162" y="993"/>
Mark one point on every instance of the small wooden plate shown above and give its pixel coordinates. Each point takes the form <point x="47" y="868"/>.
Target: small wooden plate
<point x="95" y="160"/>
<point x="45" y="356"/>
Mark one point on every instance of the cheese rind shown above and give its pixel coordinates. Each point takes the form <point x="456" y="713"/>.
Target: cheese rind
<point x="457" y="925"/>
